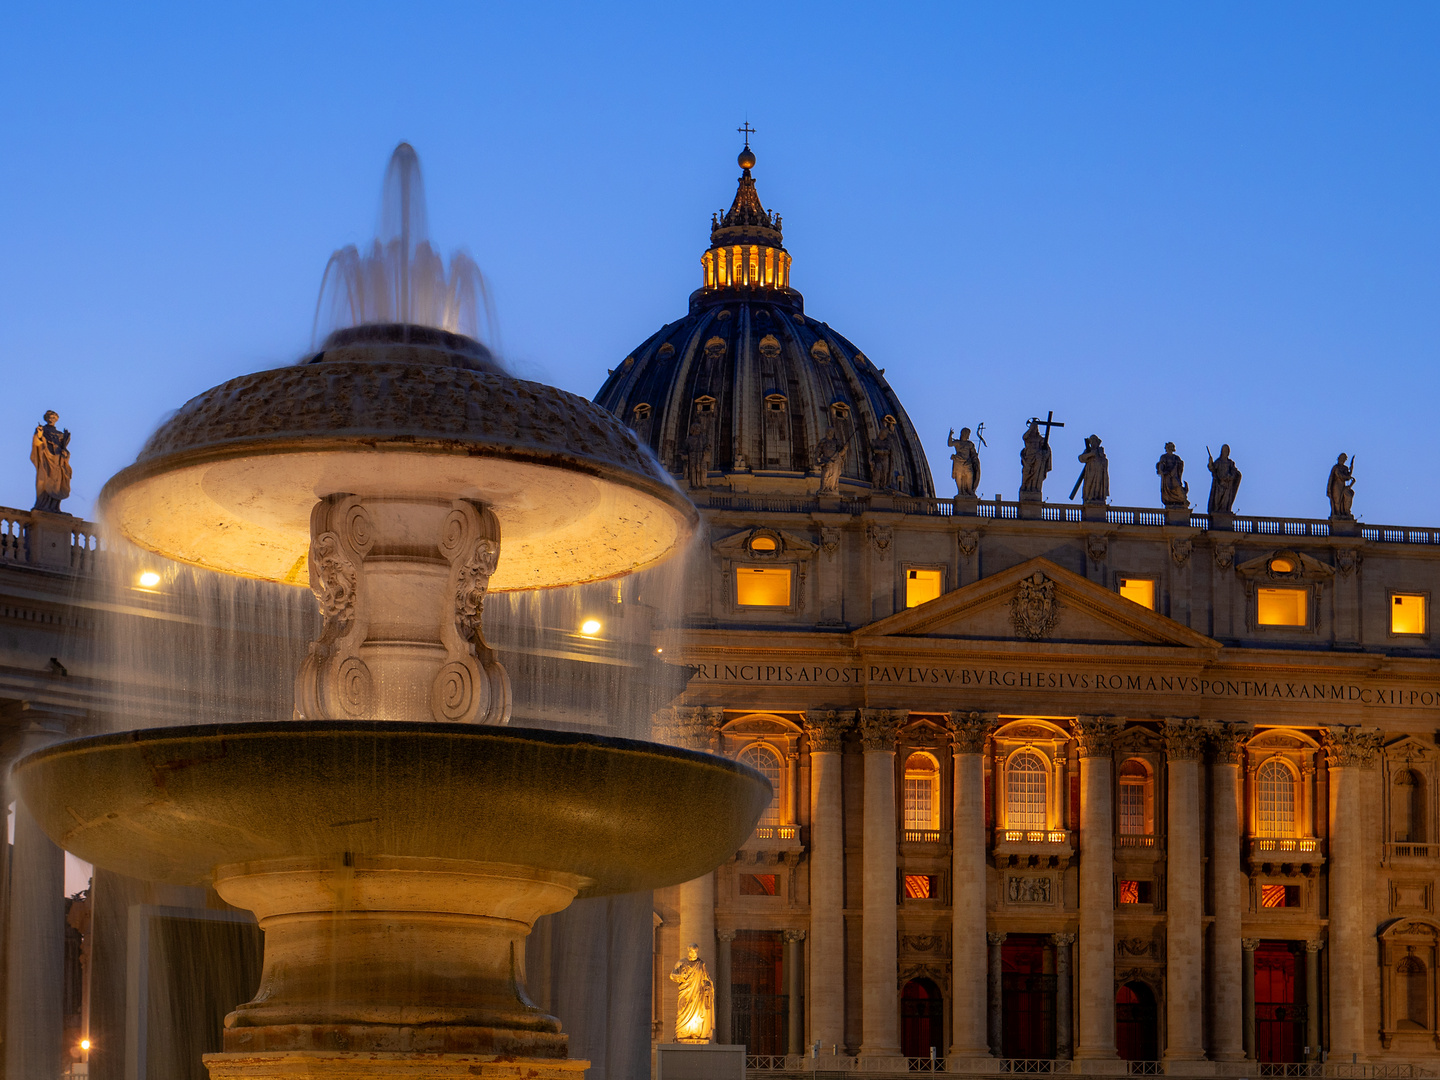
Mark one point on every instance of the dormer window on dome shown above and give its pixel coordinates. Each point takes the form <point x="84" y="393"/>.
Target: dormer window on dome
<point x="746" y="250"/>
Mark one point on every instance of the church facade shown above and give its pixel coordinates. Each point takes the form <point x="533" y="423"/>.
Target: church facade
<point x="1062" y="784"/>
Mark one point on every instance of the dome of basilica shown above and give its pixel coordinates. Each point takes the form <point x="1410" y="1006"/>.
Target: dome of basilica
<point x="748" y="393"/>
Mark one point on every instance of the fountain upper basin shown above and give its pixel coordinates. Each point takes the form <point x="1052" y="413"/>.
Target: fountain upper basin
<point x="172" y="804"/>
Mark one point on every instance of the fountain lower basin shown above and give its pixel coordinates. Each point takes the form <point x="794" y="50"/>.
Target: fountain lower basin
<point x="396" y="868"/>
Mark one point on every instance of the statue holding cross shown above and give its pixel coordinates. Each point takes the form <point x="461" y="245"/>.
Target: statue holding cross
<point x="1035" y="458"/>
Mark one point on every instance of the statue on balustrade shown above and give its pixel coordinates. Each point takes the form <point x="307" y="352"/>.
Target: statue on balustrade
<point x="50" y="454"/>
<point x="697" y="456"/>
<point x="695" y="1017"/>
<point x="1035" y="461"/>
<point x="1224" y="481"/>
<point x="1174" y="491"/>
<point x="1095" y="476"/>
<point x="830" y="455"/>
<point x="964" y="464"/>
<point x="1341" y="488"/>
<point x="882" y="458"/>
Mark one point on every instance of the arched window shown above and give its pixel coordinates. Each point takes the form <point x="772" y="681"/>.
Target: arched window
<point x="922" y="792"/>
<point x="1136" y="807"/>
<point x="1276" y="799"/>
<point x="764" y="760"/>
<point x="1407" y="808"/>
<point x="1025" y="781"/>
<point x="1411" y="999"/>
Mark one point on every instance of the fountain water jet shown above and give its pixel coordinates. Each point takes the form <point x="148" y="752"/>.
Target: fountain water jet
<point x="396" y="858"/>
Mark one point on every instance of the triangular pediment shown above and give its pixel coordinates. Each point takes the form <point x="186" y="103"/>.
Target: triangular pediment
<point x="1040" y="602"/>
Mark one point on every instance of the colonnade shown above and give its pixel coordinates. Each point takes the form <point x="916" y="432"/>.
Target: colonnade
<point x="1205" y="975"/>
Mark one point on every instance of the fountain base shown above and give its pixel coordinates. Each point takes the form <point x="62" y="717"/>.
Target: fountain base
<point x="342" y="1065"/>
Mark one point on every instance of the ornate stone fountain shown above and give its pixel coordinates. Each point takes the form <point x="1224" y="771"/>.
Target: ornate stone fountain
<point x="395" y="851"/>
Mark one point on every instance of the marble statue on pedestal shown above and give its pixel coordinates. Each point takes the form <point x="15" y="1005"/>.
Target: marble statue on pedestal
<point x="1035" y="461"/>
<point x="697" y="456"/>
<point x="1174" y="491"/>
<point x="1095" y="476"/>
<point x="1224" y="481"/>
<point x="964" y="464"/>
<point x="830" y="454"/>
<point x="882" y="458"/>
<point x="695" y="1017"/>
<point x="50" y="454"/>
<point x="1341" y="487"/>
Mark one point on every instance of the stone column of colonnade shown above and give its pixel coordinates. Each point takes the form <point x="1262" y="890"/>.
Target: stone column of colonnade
<point x="1095" y="960"/>
<point x="968" y="1036"/>
<point x="1184" y="912"/>
<point x="825" y="729"/>
<point x="1348" y="752"/>
<point x="879" y="946"/>
<point x="794" y="991"/>
<point x="1227" y="1024"/>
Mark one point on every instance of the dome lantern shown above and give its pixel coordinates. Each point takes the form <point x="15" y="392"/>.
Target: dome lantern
<point x="747" y="253"/>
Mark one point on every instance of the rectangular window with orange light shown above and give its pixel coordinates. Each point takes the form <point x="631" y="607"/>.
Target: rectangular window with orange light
<point x="1282" y="607"/>
<point x="919" y="887"/>
<point x="1139" y="590"/>
<point x="762" y="586"/>
<point x="1407" y="613"/>
<point x="922" y="586"/>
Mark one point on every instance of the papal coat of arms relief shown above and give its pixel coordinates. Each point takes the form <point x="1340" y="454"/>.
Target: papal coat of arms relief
<point x="1035" y="608"/>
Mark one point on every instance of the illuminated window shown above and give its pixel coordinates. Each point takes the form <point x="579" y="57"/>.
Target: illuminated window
<point x="1407" y="808"/>
<point x="922" y="792"/>
<point x="1407" y="613"/>
<point x="766" y="762"/>
<point x="1282" y="607"/>
<point x="1025" y="790"/>
<point x="1139" y="589"/>
<point x="1135" y="799"/>
<point x="757" y="885"/>
<point x="762" y="542"/>
<point x="919" y="886"/>
<point x="767" y="586"/>
<point x="1412" y="1002"/>
<point x="921" y="586"/>
<point x="1282" y="565"/>
<point x="1279" y="895"/>
<point x="1137" y="892"/>
<point x="1276" y="800"/>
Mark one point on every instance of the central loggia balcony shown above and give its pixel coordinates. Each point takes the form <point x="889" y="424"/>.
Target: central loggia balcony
<point x="1304" y="852"/>
<point x="1032" y="847"/>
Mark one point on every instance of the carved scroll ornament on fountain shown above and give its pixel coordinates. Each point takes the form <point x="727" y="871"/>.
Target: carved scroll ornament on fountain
<point x="401" y="586"/>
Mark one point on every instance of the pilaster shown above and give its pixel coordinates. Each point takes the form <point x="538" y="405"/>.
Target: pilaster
<point x="1184" y="747"/>
<point x="1095" y="736"/>
<point x="880" y="1006"/>
<point x="969" y="732"/>
<point x="825" y="730"/>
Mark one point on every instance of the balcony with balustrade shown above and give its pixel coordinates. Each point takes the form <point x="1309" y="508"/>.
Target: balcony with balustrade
<point x="1286" y="854"/>
<point x="1033" y="847"/>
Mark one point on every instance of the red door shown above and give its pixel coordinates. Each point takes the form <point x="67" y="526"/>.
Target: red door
<point x="1027" y="997"/>
<point x="922" y="1019"/>
<point x="1279" y="1015"/>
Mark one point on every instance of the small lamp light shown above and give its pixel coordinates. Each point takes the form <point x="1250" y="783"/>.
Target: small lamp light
<point x="85" y="1045"/>
<point x="149" y="579"/>
<point x="590" y="627"/>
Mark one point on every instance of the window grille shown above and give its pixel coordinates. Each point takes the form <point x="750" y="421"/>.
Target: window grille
<point x="922" y="782"/>
<point x="1132" y="809"/>
<point x="1276" y="800"/>
<point x="1025" y="791"/>
<point x="765" y="761"/>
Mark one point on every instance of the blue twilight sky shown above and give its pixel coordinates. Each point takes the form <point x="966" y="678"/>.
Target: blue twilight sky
<point x="1199" y="222"/>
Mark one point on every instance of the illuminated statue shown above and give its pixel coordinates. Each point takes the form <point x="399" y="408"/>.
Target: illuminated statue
<point x="695" y="1018"/>
<point x="882" y="458"/>
<point x="830" y="453"/>
<point x="1341" y="488"/>
<point x="1034" y="461"/>
<point x="1095" y="476"/>
<point x="50" y="454"/>
<point x="697" y="456"/>
<point x="1224" y="481"/>
<point x="964" y="464"/>
<point x="1174" y="491"/>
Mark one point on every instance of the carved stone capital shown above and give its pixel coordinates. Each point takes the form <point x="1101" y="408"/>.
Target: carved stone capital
<point x="995" y="938"/>
<point x="692" y="727"/>
<point x="1350" y="747"/>
<point x="726" y="936"/>
<point x="879" y="727"/>
<point x="1062" y="940"/>
<point x="1313" y="947"/>
<point x="792" y="936"/>
<point x="1228" y="742"/>
<point x="1184" y="740"/>
<point x="826" y="729"/>
<point x="1095" y="735"/>
<point x="1249" y="944"/>
<point x="969" y="731"/>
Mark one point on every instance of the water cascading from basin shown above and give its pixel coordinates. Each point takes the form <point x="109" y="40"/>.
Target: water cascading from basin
<point x="396" y="851"/>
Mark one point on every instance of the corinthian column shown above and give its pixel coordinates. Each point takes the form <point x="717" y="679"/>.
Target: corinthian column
<point x="1064" y="1006"/>
<point x="879" y="1001"/>
<point x="994" y="982"/>
<point x="969" y="731"/>
<point x="825" y="729"/>
<point x="1227" y="1039"/>
<point x="1184" y="742"/>
<point x="1096" y="960"/>
<point x="1348" y="751"/>
<point x="794" y="989"/>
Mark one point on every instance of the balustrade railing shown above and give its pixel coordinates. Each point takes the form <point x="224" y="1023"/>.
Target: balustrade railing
<point x="922" y="836"/>
<point x="777" y="832"/>
<point x="85" y="545"/>
<point x="1135" y="840"/>
<point x="1408" y="850"/>
<point x="12" y="536"/>
<point x="1034" y="1066"/>
<point x="1146" y="1068"/>
<point x="1284" y="845"/>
